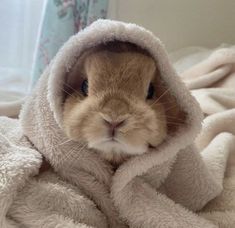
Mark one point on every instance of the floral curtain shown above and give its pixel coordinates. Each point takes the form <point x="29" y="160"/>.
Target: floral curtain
<point x="61" y="19"/>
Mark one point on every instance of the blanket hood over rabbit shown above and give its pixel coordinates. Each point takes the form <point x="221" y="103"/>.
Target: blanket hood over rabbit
<point x="160" y="188"/>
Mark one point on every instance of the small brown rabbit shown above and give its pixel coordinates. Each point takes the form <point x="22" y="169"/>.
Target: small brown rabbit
<point x="117" y="105"/>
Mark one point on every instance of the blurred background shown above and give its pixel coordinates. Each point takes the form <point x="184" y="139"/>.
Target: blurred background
<point x="180" y="23"/>
<point x="34" y="30"/>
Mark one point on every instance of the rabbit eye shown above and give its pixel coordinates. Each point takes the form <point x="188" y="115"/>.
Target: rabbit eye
<point x="150" y="91"/>
<point x="84" y="87"/>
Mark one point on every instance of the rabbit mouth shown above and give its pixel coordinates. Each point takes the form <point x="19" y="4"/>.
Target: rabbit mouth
<point x="150" y="146"/>
<point x="112" y="142"/>
<point x="116" y="145"/>
<point x="112" y="139"/>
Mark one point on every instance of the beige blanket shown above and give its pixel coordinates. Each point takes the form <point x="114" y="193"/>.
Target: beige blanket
<point x="162" y="188"/>
<point x="212" y="82"/>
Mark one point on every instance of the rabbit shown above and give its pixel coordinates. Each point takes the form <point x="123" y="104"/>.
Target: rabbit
<point x="115" y="104"/>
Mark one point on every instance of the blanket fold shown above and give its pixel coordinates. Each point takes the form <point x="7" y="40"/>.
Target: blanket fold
<point x="164" y="187"/>
<point x="216" y="96"/>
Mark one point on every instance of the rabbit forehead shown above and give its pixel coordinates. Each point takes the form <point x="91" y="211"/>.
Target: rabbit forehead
<point x="127" y="70"/>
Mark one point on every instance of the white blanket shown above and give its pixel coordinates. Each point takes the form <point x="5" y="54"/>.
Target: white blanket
<point x="212" y="82"/>
<point x="162" y="188"/>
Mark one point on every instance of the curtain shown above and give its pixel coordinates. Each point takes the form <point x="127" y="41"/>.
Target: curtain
<point x="61" y="19"/>
<point x="20" y="20"/>
<point x="32" y="31"/>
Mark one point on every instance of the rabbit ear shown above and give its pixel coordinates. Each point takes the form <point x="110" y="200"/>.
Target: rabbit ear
<point x="175" y="116"/>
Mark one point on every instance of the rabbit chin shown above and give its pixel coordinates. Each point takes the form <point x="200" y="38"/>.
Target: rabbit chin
<point x="106" y="146"/>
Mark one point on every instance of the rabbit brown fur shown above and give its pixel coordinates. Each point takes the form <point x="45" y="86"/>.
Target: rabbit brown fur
<point x="118" y="76"/>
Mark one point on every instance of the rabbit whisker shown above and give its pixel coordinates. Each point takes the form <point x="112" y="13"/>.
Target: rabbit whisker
<point x="161" y="96"/>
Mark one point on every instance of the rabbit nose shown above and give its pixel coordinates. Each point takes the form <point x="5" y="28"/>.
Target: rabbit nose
<point x="113" y="126"/>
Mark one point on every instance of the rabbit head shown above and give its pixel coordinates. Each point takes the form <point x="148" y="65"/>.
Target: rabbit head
<point x="115" y="103"/>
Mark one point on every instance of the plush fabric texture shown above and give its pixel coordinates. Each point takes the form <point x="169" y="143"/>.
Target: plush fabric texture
<point x="212" y="82"/>
<point x="162" y="188"/>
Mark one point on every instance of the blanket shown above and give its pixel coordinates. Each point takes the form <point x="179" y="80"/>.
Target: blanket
<point x="212" y="82"/>
<point x="165" y="187"/>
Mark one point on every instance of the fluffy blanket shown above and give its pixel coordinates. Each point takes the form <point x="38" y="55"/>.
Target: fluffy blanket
<point x="162" y="188"/>
<point x="212" y="82"/>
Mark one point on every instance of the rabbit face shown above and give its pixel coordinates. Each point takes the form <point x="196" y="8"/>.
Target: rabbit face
<point x="115" y="108"/>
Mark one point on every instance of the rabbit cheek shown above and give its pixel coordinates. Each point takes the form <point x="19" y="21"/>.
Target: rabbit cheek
<point x="148" y="127"/>
<point x="135" y="142"/>
<point x="94" y="131"/>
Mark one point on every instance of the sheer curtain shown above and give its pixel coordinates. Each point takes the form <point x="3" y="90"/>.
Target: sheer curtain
<point x="32" y="31"/>
<point x="20" y="21"/>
